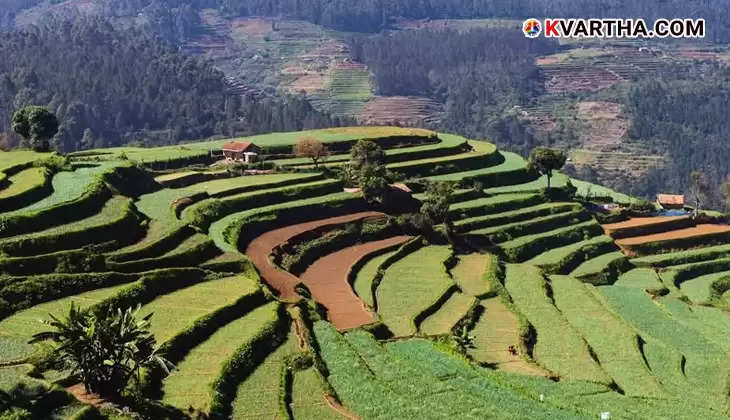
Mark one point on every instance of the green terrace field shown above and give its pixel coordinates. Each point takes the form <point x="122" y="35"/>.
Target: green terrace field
<point x="283" y="295"/>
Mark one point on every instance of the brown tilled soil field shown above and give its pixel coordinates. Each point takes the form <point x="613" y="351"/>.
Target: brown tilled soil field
<point x="260" y="249"/>
<point x="327" y="280"/>
<point x="641" y="221"/>
<point x="401" y="110"/>
<point x="675" y="234"/>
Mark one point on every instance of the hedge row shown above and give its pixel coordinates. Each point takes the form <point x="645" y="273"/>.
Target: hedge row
<point x="151" y="285"/>
<point x="481" y="222"/>
<point x="447" y="166"/>
<point x="124" y="229"/>
<point x="682" y="273"/>
<point x="427" y="153"/>
<point x="669" y="245"/>
<point x="74" y="261"/>
<point x="537" y="225"/>
<point x="21" y="293"/>
<point x="523" y="200"/>
<point x="193" y="178"/>
<point x="243" y="230"/>
<point x="492" y="276"/>
<point x="435" y="306"/>
<point x="500" y="179"/>
<point x="353" y="233"/>
<point x="31" y="195"/>
<point x="209" y="211"/>
<point x="648" y="229"/>
<point x="244" y="361"/>
<point x="529" y="246"/>
<point x="571" y="261"/>
<point x="88" y="204"/>
<point x="407" y="248"/>
<point x="719" y="287"/>
<point x="165" y="243"/>
<point x="683" y="257"/>
<point x="609" y="274"/>
<point x="345" y="145"/>
<point x="203" y="158"/>
<point x="185" y="258"/>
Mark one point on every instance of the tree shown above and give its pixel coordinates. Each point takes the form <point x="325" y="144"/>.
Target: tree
<point x="106" y="349"/>
<point x="366" y="152"/>
<point x="36" y="125"/>
<point x="435" y="207"/>
<point x="373" y="183"/>
<point x="312" y="148"/>
<point x="725" y="192"/>
<point x="463" y="340"/>
<point x="545" y="160"/>
<point x="699" y="189"/>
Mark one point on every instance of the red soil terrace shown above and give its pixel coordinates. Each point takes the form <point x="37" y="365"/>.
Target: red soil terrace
<point x="675" y="234"/>
<point x="260" y="249"/>
<point x="641" y="221"/>
<point x="327" y="280"/>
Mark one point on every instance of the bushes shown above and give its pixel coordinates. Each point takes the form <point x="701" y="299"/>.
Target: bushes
<point x="166" y="243"/>
<point x="124" y="227"/>
<point x="75" y="261"/>
<point x="205" y="214"/>
<point x="685" y="272"/>
<point x="527" y="247"/>
<point x="90" y="203"/>
<point x="243" y="361"/>
<point x="192" y="256"/>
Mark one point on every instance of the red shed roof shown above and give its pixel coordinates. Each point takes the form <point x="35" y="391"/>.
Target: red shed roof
<point x="237" y="146"/>
<point x="672" y="199"/>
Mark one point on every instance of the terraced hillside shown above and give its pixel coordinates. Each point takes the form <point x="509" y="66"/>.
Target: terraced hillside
<point x="282" y="295"/>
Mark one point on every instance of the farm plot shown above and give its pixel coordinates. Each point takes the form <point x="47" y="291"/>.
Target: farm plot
<point x="261" y="247"/>
<point x="603" y="268"/>
<point x="683" y="257"/>
<point x="411" y="286"/>
<point x="532" y="226"/>
<point x="646" y="225"/>
<point x="511" y="171"/>
<point x="326" y="279"/>
<point x="643" y="278"/>
<point x="174" y="311"/>
<point x="705" y="368"/>
<point x="529" y="246"/>
<point x="699" y="289"/>
<point x="614" y="342"/>
<point x="559" y="347"/>
<point x="365" y="276"/>
<point x="19" y="158"/>
<point x="448" y="314"/>
<point x="469" y="273"/>
<point x="185" y="387"/>
<point x="258" y="395"/>
<point x="514" y="216"/>
<point x="307" y="401"/>
<point x="17" y="329"/>
<point x="491" y="205"/>
<point x="497" y="329"/>
<point x="23" y="183"/>
<point x="561" y="258"/>
<point x="688" y="235"/>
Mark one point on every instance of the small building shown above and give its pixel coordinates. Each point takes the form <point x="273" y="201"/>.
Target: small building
<point x="670" y="201"/>
<point x="241" y="151"/>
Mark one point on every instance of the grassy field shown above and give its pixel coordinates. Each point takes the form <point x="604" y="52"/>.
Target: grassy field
<point x="19" y="157"/>
<point x="512" y="162"/>
<point x="307" y="401"/>
<point x="16" y="330"/>
<point x="559" y="348"/>
<point x="186" y="386"/>
<point x="410" y="286"/>
<point x="258" y="394"/>
<point x="598" y="264"/>
<point x="469" y="274"/>
<point x="366" y="275"/>
<point x="453" y="310"/>
<point x="23" y="181"/>
<point x="175" y="311"/>
<point x="698" y="288"/>
<point x="614" y="342"/>
<point x="644" y="278"/>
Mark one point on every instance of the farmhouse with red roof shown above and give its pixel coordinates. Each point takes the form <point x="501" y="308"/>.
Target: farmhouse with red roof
<point x="670" y="201"/>
<point x="241" y="151"/>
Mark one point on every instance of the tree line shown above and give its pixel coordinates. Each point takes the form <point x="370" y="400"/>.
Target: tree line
<point x="109" y="87"/>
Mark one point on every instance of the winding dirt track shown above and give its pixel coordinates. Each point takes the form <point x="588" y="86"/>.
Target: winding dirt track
<point x="260" y="248"/>
<point x="327" y="280"/>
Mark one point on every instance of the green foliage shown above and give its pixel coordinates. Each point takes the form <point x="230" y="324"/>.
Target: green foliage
<point x="463" y="341"/>
<point x="545" y="160"/>
<point x="373" y="183"/>
<point x="36" y="125"/>
<point x="435" y="207"/>
<point x="366" y="152"/>
<point x="642" y="207"/>
<point x="105" y="350"/>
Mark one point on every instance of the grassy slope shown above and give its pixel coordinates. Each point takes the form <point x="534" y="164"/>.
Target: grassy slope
<point x="559" y="347"/>
<point x="19" y="157"/>
<point x="410" y="286"/>
<point x="186" y="386"/>
<point x="555" y="255"/>
<point x="469" y="274"/>
<point x="444" y="319"/>
<point x="17" y="329"/>
<point x="307" y="400"/>
<point x="364" y="278"/>
<point x="597" y="264"/>
<point x="23" y="181"/>
<point x="698" y="288"/>
<point x="614" y="342"/>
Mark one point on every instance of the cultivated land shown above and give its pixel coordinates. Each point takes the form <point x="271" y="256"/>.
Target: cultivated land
<point x="629" y="317"/>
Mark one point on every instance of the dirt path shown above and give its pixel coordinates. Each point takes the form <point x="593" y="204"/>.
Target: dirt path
<point x="327" y="280"/>
<point x="260" y="248"/>
<point x="674" y="234"/>
<point x="497" y="329"/>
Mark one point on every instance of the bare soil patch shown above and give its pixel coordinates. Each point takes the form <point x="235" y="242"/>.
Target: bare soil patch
<point x="675" y="234"/>
<point x="641" y="221"/>
<point x="260" y="248"/>
<point x="253" y="27"/>
<point x="401" y="110"/>
<point x="327" y="280"/>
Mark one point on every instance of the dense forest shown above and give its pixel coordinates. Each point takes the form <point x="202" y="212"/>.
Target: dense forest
<point x="110" y="87"/>
<point x="685" y="114"/>
<point x="480" y="75"/>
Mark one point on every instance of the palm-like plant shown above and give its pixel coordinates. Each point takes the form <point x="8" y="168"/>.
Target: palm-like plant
<point x="463" y="340"/>
<point x="106" y="349"/>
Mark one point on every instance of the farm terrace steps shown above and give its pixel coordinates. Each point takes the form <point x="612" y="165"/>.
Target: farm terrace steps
<point x="365" y="276"/>
<point x="327" y="280"/>
<point x="683" y="257"/>
<point x="646" y="225"/>
<point x="644" y="278"/>
<point x="599" y="264"/>
<point x="495" y="331"/>
<point x="468" y="273"/>
<point x="513" y="216"/>
<point x="532" y="226"/>
<point x="700" y="230"/>
<point x="698" y="289"/>
<point x="260" y="248"/>
<point x="448" y="314"/>
<point x="554" y="256"/>
<point x="529" y="246"/>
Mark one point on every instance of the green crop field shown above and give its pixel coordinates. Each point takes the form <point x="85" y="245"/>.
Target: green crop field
<point x="202" y="250"/>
